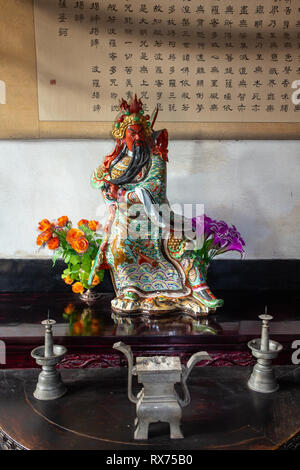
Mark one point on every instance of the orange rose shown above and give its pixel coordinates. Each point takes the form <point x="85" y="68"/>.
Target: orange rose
<point x="39" y="241"/>
<point x="53" y="243"/>
<point x="68" y="280"/>
<point x="77" y="288"/>
<point x="69" y="309"/>
<point x="77" y="327"/>
<point x="62" y="221"/>
<point x="94" y="225"/>
<point x="83" y="222"/>
<point x="44" y="225"/>
<point x="80" y="245"/>
<point x="73" y="234"/>
<point x="45" y="236"/>
<point x="96" y="280"/>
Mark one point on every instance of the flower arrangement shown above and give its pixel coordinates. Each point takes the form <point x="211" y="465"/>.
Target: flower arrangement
<point x="218" y="238"/>
<point x="76" y="246"/>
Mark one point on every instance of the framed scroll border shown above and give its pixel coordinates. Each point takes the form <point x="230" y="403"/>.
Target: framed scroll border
<point x="19" y="116"/>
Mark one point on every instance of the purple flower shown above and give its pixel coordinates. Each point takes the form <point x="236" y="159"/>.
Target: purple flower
<point x="232" y="241"/>
<point x="207" y="226"/>
<point x="198" y="225"/>
<point x="220" y="232"/>
<point x="202" y="224"/>
<point x="223" y="238"/>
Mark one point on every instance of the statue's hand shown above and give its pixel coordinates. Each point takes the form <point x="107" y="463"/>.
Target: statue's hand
<point x="113" y="191"/>
<point x="189" y="244"/>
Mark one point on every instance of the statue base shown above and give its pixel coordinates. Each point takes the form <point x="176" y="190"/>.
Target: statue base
<point x="159" y="305"/>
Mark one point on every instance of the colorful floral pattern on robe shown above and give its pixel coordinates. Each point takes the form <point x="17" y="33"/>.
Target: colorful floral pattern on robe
<point x="138" y="261"/>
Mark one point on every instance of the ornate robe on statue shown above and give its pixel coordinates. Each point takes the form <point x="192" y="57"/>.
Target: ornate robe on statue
<point x="151" y="269"/>
<point x="136" y="252"/>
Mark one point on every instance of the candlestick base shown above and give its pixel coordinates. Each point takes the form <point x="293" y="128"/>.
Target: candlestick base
<point x="262" y="378"/>
<point x="50" y="385"/>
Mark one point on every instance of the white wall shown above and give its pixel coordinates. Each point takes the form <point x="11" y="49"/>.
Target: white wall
<point x="254" y="185"/>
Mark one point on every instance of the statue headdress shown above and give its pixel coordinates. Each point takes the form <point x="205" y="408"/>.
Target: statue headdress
<point x="131" y="113"/>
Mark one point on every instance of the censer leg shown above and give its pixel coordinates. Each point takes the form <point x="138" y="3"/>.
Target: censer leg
<point x="141" y="431"/>
<point x="175" y="431"/>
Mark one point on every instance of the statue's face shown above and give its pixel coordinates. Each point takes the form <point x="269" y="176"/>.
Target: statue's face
<point x="140" y="146"/>
<point x="134" y="136"/>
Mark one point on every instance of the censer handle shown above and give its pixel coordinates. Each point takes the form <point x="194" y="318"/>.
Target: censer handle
<point x="126" y="350"/>
<point x="197" y="357"/>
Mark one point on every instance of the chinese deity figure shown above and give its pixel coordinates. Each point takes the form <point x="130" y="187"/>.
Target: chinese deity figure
<point x="151" y="273"/>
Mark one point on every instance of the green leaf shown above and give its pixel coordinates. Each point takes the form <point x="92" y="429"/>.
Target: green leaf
<point x="67" y="258"/>
<point x="86" y="263"/>
<point x="74" y="259"/>
<point x="75" y="268"/>
<point x="83" y="277"/>
<point x="87" y="231"/>
<point x="93" y="252"/>
<point x="85" y="257"/>
<point x="57" y="254"/>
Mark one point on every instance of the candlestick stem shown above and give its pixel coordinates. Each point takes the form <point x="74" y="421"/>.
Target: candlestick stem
<point x="48" y="341"/>
<point x="48" y="336"/>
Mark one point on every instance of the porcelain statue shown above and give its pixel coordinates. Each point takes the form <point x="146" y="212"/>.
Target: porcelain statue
<point x="152" y="270"/>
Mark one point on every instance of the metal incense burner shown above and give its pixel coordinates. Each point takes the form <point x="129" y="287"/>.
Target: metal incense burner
<point x="158" y="399"/>
<point x="262" y="378"/>
<point x="50" y="385"/>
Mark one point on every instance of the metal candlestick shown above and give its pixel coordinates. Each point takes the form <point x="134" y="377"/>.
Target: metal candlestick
<point x="262" y="378"/>
<point x="50" y="385"/>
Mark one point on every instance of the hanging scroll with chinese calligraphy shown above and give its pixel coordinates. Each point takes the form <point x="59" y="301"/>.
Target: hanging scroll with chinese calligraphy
<point x="215" y="69"/>
<point x="205" y="62"/>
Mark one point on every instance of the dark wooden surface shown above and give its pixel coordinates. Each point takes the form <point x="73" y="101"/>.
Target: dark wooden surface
<point x="232" y="327"/>
<point x="96" y="414"/>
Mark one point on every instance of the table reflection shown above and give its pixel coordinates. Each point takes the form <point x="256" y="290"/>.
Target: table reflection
<point x="88" y="321"/>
